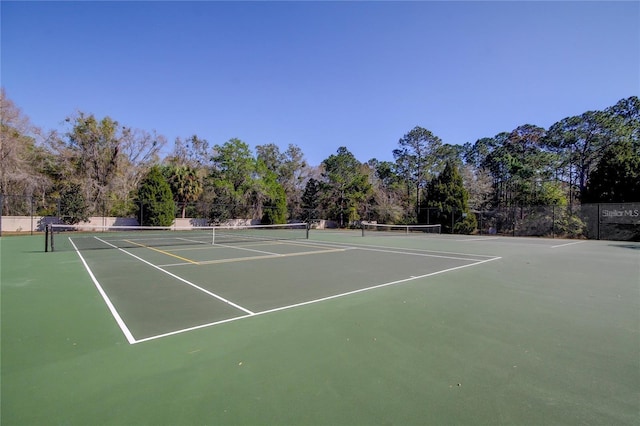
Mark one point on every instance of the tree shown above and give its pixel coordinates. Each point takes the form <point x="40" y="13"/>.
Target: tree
<point x="233" y="169"/>
<point x="73" y="206"/>
<point x="185" y="184"/>
<point x="106" y="158"/>
<point x="192" y="152"/>
<point x="477" y="182"/>
<point x="579" y="142"/>
<point x="95" y="147"/>
<point x="20" y="156"/>
<point x="475" y="154"/>
<point x="274" y="206"/>
<point x="139" y="151"/>
<point x="626" y="116"/>
<point x="311" y="199"/>
<point x="292" y="176"/>
<point x="266" y="196"/>
<point x="155" y="200"/>
<point x="270" y="156"/>
<point x="290" y="170"/>
<point x="417" y="159"/>
<point x="616" y="178"/>
<point x="519" y="165"/>
<point x="346" y="186"/>
<point x="388" y="195"/>
<point x="447" y="194"/>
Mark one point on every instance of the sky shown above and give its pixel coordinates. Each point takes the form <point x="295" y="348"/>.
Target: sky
<point x="319" y="75"/>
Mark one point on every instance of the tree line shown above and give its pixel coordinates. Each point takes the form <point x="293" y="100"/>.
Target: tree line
<point x="96" y="166"/>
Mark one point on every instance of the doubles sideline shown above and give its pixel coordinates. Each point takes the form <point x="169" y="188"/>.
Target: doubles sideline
<point x="247" y="313"/>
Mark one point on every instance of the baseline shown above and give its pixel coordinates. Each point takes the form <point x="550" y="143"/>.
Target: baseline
<point x="309" y="302"/>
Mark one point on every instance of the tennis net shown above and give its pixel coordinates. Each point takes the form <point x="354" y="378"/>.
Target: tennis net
<point x="90" y="237"/>
<point x="379" y="229"/>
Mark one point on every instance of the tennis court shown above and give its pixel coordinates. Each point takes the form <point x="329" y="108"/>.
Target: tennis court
<point x="172" y="281"/>
<point x="319" y="327"/>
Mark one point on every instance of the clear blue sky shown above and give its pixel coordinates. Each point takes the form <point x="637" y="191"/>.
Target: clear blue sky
<point x="319" y="74"/>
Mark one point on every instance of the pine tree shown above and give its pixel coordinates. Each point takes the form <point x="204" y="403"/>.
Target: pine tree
<point x="310" y="199"/>
<point x="447" y="194"/>
<point x="617" y="176"/>
<point x="155" y="200"/>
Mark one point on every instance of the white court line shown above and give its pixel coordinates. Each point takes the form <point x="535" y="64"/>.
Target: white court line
<point x="249" y="313"/>
<point x="568" y="244"/>
<point x="182" y="279"/>
<point x="407" y="250"/>
<point x="414" y="254"/>
<point x="356" y="245"/>
<point x="189" y="240"/>
<point x="114" y="312"/>
<point x="381" y="249"/>
<point x="247" y="249"/>
<point x="323" y="299"/>
<point x="266" y="256"/>
<point x="477" y="239"/>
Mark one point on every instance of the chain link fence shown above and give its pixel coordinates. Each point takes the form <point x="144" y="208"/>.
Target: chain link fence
<point x="606" y="221"/>
<point x="592" y="221"/>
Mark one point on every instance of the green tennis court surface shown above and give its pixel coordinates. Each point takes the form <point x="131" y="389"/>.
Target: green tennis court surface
<point x="334" y="329"/>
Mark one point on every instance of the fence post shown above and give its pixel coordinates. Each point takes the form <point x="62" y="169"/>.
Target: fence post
<point x="31" y="211"/>
<point x="598" y="222"/>
<point x="453" y="218"/>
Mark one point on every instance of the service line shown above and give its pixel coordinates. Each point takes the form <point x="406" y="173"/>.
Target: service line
<point x="568" y="244"/>
<point x="309" y="302"/>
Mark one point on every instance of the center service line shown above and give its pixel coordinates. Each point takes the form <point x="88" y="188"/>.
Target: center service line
<point x="161" y="251"/>
<point x="309" y="302"/>
<point x="182" y="279"/>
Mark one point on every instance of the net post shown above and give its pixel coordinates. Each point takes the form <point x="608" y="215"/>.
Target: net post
<point x="46" y="238"/>
<point x="51" y="239"/>
<point x="308" y="227"/>
<point x="213" y="235"/>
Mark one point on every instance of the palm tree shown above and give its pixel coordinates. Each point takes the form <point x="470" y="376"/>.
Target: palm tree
<point x="186" y="186"/>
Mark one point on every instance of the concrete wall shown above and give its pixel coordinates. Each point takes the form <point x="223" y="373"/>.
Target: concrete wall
<point x="22" y="224"/>
<point x="38" y="223"/>
<point x="323" y="224"/>
<point x="186" y="223"/>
